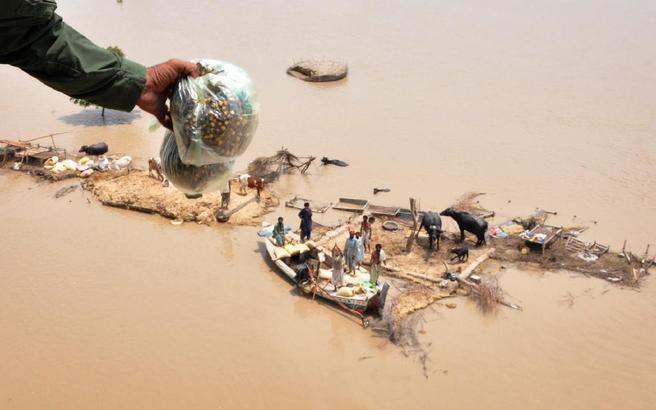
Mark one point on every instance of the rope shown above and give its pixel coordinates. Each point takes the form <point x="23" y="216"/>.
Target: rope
<point x="329" y="297"/>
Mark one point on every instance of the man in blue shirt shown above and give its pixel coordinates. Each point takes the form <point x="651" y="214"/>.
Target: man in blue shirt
<point x="306" y="222"/>
<point x="279" y="233"/>
<point x="350" y="251"/>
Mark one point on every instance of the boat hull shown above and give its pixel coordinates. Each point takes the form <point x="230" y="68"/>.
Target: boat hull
<point x="359" y="305"/>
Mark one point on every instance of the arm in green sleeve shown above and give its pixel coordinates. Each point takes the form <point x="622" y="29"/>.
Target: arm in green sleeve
<point x="36" y="40"/>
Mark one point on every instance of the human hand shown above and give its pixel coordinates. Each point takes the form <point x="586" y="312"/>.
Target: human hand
<point x="160" y="79"/>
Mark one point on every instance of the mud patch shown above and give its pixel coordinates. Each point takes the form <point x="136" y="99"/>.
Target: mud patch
<point x="137" y="191"/>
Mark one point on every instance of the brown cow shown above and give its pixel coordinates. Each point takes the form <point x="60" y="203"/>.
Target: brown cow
<point x="249" y="181"/>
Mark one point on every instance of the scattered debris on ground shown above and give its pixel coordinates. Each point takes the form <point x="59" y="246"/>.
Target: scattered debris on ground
<point x="114" y="182"/>
<point x="424" y="275"/>
<point x="427" y="276"/>
<point x="611" y="266"/>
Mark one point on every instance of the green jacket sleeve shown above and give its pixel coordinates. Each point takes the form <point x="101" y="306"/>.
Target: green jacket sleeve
<point x="36" y="40"/>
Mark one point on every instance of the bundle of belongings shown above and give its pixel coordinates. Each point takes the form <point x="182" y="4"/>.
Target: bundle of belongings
<point x="291" y="248"/>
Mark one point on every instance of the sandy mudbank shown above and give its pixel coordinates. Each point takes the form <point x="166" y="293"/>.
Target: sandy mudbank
<point x="137" y="191"/>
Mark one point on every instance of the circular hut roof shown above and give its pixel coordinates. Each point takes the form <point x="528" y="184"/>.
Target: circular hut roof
<point x="318" y="70"/>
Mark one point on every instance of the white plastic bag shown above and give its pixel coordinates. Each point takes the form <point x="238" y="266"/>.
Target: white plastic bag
<point x="214" y="115"/>
<point x="192" y="179"/>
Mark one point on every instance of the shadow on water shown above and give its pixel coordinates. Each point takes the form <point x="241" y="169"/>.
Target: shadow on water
<point x="325" y="85"/>
<point x="92" y="117"/>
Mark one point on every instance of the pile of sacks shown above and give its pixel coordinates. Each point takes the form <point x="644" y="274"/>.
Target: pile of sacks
<point x="291" y="248"/>
<point x="85" y="166"/>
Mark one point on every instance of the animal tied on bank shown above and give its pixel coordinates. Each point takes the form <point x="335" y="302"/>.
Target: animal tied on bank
<point x="248" y="181"/>
<point x="468" y="222"/>
<point x="432" y="223"/>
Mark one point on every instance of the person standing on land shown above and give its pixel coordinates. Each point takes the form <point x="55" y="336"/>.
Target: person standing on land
<point x="225" y="196"/>
<point x="306" y="222"/>
<point x="377" y="260"/>
<point x="359" y="250"/>
<point x="36" y="40"/>
<point x="365" y="232"/>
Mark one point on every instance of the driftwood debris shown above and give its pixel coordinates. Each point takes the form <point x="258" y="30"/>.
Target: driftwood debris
<point x="136" y="208"/>
<point x="282" y="162"/>
<point x="405" y="277"/>
<point x="488" y="293"/>
<point x="574" y="245"/>
<point x="472" y="266"/>
<point x="223" y="216"/>
<point x="625" y="254"/>
<point x="469" y="202"/>
<point x="66" y="190"/>
<point x="424" y="277"/>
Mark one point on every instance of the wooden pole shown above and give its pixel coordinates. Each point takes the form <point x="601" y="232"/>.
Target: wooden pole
<point x="223" y="216"/>
<point x="47" y="136"/>
<point x="415" y="226"/>
<point x="472" y="266"/>
<point x="464" y="277"/>
<point x="625" y="254"/>
<point x="424" y="277"/>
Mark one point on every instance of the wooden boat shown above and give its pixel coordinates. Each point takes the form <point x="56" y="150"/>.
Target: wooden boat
<point x="379" y="210"/>
<point x="306" y="278"/>
<point x="351" y="204"/>
<point x="297" y="203"/>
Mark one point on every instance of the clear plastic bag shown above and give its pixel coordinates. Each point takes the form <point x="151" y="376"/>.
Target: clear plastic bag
<point x="192" y="179"/>
<point x="214" y="115"/>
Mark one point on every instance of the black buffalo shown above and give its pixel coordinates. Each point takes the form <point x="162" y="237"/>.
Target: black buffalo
<point x="94" y="149"/>
<point x="432" y="223"/>
<point x="468" y="222"/>
<point x="338" y="162"/>
<point x="461" y="253"/>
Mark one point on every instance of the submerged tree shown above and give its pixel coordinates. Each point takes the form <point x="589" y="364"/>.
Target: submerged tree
<point x="84" y="103"/>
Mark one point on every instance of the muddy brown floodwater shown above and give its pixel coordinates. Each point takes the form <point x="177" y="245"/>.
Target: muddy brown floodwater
<point x="542" y="103"/>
